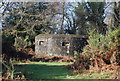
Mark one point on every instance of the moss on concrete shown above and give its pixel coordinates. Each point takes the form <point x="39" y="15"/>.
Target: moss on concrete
<point x="60" y="35"/>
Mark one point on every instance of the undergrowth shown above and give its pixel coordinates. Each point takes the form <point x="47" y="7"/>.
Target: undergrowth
<point x="102" y="53"/>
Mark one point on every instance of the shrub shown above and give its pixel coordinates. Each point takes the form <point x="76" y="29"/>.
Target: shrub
<point x="25" y="42"/>
<point x="102" y="42"/>
<point x="100" y="50"/>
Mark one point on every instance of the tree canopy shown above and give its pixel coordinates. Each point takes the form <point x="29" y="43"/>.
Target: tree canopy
<point x="22" y="21"/>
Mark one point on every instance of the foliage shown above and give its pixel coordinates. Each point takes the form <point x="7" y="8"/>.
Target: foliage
<point x="24" y="44"/>
<point x="102" y="51"/>
<point x="102" y="42"/>
<point x="23" y="21"/>
<point x="98" y="41"/>
<point x="114" y="35"/>
<point x="76" y="55"/>
<point x="90" y="16"/>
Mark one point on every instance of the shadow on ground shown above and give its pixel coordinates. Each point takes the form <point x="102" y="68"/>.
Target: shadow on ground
<point x="43" y="71"/>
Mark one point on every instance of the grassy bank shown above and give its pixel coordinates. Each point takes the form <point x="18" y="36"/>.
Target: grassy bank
<point x="47" y="70"/>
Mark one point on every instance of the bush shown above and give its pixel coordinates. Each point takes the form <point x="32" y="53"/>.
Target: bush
<point x="101" y="50"/>
<point x="25" y="42"/>
<point x="101" y="42"/>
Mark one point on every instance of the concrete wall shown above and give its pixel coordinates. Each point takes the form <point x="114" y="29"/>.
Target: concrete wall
<point x="62" y="45"/>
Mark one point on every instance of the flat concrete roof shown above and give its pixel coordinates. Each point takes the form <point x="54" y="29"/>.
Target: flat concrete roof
<point x="59" y="35"/>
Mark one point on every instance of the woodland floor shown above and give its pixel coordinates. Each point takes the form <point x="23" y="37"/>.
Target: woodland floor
<point x="53" y="70"/>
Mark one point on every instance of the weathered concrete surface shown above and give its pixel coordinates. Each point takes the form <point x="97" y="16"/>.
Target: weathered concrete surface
<point x="58" y="45"/>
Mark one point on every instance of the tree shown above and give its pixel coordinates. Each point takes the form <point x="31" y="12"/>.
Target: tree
<point x="23" y="21"/>
<point x="112" y="12"/>
<point x="70" y="18"/>
<point x="90" y="15"/>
